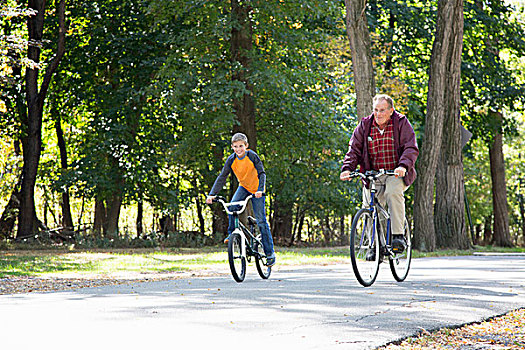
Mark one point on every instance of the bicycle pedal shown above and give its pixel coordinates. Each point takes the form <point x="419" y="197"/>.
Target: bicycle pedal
<point x="398" y="246"/>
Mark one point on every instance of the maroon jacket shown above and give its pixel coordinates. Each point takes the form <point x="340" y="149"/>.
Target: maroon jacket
<point x="405" y="145"/>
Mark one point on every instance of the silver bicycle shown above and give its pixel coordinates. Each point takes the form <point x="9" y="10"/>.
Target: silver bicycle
<point x="244" y="243"/>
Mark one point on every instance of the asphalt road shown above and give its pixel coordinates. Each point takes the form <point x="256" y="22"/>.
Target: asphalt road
<point x="310" y="307"/>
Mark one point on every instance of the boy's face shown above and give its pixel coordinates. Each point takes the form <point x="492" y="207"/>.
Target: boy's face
<point x="239" y="147"/>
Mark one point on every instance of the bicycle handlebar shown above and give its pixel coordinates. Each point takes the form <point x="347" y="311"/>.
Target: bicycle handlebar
<point x="227" y="205"/>
<point x="371" y="174"/>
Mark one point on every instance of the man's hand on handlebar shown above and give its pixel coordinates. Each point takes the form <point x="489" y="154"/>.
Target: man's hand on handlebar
<point x="400" y="171"/>
<point x="345" y="175"/>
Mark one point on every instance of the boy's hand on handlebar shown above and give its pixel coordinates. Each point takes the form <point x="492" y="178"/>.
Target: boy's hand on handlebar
<point x="258" y="194"/>
<point x="209" y="199"/>
<point x="400" y="171"/>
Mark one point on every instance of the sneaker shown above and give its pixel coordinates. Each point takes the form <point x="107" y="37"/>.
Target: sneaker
<point x="270" y="262"/>
<point x="371" y="255"/>
<point x="227" y="239"/>
<point x="398" y="244"/>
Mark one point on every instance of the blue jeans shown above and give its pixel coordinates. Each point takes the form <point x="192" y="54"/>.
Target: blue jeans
<point x="260" y="216"/>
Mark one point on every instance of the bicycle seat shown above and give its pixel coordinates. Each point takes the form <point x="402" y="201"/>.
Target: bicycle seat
<point x="252" y="220"/>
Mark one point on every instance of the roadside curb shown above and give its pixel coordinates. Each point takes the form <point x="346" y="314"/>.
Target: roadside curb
<point x="497" y="254"/>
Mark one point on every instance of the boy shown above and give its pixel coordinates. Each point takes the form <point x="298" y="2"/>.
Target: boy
<point x="249" y="170"/>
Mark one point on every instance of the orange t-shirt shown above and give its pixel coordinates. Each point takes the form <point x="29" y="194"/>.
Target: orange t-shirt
<point x="248" y="170"/>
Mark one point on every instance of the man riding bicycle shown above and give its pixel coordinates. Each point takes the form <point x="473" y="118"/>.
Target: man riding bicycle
<point x="385" y="140"/>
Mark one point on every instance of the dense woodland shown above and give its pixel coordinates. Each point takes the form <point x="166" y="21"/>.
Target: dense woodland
<point x="116" y="116"/>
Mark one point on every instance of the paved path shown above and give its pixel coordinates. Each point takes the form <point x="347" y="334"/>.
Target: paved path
<point x="313" y="307"/>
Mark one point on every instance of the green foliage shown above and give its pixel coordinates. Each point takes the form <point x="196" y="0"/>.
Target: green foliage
<point x="493" y="36"/>
<point x="113" y="56"/>
<point x="478" y="185"/>
<point x="298" y="127"/>
<point x="144" y="96"/>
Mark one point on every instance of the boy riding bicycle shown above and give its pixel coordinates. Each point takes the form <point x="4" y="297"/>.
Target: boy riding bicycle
<point x="249" y="170"/>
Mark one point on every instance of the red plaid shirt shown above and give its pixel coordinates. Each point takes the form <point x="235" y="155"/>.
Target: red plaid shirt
<point x="381" y="147"/>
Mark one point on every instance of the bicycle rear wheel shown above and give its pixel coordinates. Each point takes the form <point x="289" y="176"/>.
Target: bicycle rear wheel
<point x="364" y="248"/>
<point x="400" y="261"/>
<point x="236" y="259"/>
<point x="260" y="261"/>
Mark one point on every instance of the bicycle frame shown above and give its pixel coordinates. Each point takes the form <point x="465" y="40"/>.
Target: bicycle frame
<point x="376" y="209"/>
<point x="247" y="238"/>
<point x="239" y="227"/>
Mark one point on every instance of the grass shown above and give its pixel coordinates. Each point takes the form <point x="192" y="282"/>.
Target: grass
<point x="108" y="262"/>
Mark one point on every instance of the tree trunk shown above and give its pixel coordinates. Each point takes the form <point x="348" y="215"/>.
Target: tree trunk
<point x="522" y="214"/>
<point x="241" y="47"/>
<point x="219" y="217"/>
<point x="343" y="238"/>
<point x="282" y="222"/>
<point x="200" y="215"/>
<point x="140" y="217"/>
<point x="220" y="220"/>
<point x="100" y="221"/>
<point x="450" y="205"/>
<point x="295" y="226"/>
<point x="67" y="219"/>
<point x="113" y="215"/>
<point x="501" y="230"/>
<point x="444" y="76"/>
<point x="167" y="224"/>
<point x="360" y="46"/>
<point x="8" y="219"/>
<point x="487" y="231"/>
<point x="32" y="121"/>
<point x="477" y="234"/>
<point x="327" y="230"/>
<point x="450" y="199"/>
<point x="300" y="228"/>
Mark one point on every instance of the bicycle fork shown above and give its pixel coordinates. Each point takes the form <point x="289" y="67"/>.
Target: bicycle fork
<point x="243" y="236"/>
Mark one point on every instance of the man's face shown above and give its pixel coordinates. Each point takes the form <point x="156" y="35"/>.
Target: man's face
<point x="239" y="147"/>
<point x="382" y="113"/>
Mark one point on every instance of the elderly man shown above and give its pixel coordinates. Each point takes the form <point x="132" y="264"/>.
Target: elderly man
<point x="385" y="140"/>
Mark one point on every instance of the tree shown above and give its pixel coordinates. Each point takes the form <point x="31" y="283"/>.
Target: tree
<point x="32" y="116"/>
<point x="491" y="90"/>
<point x="12" y="46"/>
<point x="449" y="208"/>
<point x="290" y="86"/>
<point x="443" y="98"/>
<point x="241" y="50"/>
<point x="499" y="189"/>
<point x="359" y="37"/>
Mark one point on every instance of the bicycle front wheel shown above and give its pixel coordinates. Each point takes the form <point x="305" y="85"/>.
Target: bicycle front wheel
<point x="236" y="258"/>
<point x="400" y="261"/>
<point x="260" y="261"/>
<point x="364" y="248"/>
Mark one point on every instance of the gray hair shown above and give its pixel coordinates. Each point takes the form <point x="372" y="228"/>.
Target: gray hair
<point x="239" y="137"/>
<point x="384" y="97"/>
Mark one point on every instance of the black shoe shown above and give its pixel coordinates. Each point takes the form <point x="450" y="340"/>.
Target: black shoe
<point x="398" y="244"/>
<point x="371" y="255"/>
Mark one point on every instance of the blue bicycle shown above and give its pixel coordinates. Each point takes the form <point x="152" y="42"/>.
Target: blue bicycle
<point x="368" y="243"/>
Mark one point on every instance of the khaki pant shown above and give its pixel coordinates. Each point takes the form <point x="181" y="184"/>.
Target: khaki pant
<point x="390" y="190"/>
